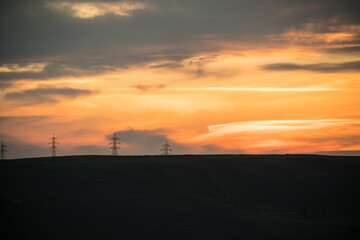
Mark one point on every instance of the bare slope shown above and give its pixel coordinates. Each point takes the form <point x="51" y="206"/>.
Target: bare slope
<point x="181" y="197"/>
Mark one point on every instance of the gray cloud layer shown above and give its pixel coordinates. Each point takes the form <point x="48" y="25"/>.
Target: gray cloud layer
<point x="134" y="141"/>
<point x="32" y="32"/>
<point x="145" y="141"/>
<point x="151" y="141"/>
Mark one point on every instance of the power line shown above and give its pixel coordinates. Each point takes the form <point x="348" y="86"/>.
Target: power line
<point x="166" y="149"/>
<point x="3" y="150"/>
<point x="115" y="142"/>
<point x="53" y="145"/>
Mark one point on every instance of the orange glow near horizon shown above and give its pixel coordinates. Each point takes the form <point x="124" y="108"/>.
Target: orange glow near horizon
<point x="219" y="99"/>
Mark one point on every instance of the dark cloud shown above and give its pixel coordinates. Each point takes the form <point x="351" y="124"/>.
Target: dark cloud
<point x="16" y="148"/>
<point x="32" y="32"/>
<point x="5" y="84"/>
<point x="145" y="88"/>
<point x="81" y="66"/>
<point x="137" y="141"/>
<point x="8" y="76"/>
<point x="45" y="95"/>
<point x="213" y="149"/>
<point x="167" y="65"/>
<point x="53" y="70"/>
<point x="194" y="61"/>
<point x="145" y="141"/>
<point x="344" y="140"/>
<point x="22" y="119"/>
<point x="319" y="67"/>
<point x="344" y="50"/>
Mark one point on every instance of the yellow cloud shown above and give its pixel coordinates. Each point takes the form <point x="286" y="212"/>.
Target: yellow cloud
<point x="308" y="36"/>
<point x="95" y="9"/>
<point x="33" y="67"/>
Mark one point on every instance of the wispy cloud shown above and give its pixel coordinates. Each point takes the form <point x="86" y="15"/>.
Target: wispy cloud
<point x="273" y="125"/>
<point x="144" y="88"/>
<point x="344" y="50"/>
<point x="353" y="66"/>
<point x="45" y="95"/>
<point x="95" y="9"/>
<point x="33" y="67"/>
<point x="281" y="136"/>
<point x="166" y="65"/>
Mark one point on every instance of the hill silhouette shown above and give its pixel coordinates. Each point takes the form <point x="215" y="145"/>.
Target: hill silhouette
<point x="181" y="197"/>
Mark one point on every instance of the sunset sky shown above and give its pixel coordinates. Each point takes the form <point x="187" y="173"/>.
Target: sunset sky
<point x="211" y="76"/>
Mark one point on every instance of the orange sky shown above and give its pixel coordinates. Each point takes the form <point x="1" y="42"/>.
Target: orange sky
<point x="233" y="97"/>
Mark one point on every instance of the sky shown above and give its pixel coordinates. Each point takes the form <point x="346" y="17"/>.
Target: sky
<point x="211" y="76"/>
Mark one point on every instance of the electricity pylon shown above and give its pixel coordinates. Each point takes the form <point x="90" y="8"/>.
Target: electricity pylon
<point x="53" y="145"/>
<point x="3" y="150"/>
<point x="166" y="149"/>
<point x="115" y="142"/>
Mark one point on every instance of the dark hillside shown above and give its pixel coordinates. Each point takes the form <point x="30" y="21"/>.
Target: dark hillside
<point x="181" y="197"/>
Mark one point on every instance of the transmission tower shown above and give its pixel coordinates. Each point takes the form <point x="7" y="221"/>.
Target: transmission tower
<point x="115" y="142"/>
<point x="3" y="150"/>
<point x="166" y="149"/>
<point x="53" y="145"/>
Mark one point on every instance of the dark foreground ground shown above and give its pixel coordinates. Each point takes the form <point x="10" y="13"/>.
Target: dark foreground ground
<point x="181" y="197"/>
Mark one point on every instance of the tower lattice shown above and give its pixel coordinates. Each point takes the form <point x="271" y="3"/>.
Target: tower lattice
<point x="53" y="145"/>
<point x="3" y="150"/>
<point x="166" y="148"/>
<point x="115" y="142"/>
